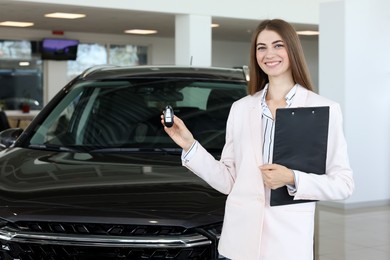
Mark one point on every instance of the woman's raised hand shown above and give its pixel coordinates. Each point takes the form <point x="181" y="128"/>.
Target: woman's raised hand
<point x="179" y="133"/>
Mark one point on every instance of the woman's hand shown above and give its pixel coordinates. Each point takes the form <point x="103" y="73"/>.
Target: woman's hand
<point x="276" y="175"/>
<point x="179" y="133"/>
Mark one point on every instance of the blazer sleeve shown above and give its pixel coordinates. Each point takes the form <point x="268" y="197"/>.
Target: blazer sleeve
<point x="337" y="183"/>
<point x="220" y="174"/>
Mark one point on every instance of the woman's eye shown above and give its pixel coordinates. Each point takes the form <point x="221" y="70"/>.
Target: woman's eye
<point x="261" y="48"/>
<point x="278" y="46"/>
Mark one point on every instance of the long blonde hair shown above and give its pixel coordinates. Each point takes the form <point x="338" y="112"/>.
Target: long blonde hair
<point x="299" y="69"/>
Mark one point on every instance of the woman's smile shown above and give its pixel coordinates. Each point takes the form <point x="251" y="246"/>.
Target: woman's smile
<point x="272" y="63"/>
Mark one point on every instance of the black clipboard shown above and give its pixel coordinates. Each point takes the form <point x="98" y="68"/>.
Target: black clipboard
<point x="300" y="143"/>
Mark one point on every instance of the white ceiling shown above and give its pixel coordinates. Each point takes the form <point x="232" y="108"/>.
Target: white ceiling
<point x="114" y="21"/>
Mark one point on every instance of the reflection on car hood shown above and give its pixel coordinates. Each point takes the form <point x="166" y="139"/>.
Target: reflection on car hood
<point x="66" y="185"/>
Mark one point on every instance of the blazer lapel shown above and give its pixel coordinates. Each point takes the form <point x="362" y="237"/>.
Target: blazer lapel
<point x="256" y="127"/>
<point x="300" y="97"/>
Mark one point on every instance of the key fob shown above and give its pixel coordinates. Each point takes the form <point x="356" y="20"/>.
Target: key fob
<point x="168" y="116"/>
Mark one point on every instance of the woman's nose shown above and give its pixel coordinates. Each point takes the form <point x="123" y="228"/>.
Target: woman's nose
<point x="269" y="52"/>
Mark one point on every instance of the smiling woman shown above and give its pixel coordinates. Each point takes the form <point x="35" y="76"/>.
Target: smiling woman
<point x="256" y="228"/>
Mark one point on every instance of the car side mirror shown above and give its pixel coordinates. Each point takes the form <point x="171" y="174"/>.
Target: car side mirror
<point x="9" y="136"/>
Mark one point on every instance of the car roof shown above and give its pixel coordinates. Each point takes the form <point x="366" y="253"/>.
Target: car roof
<point x="113" y="72"/>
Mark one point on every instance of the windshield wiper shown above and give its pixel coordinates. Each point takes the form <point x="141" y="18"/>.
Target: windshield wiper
<point x="51" y="147"/>
<point x="137" y="150"/>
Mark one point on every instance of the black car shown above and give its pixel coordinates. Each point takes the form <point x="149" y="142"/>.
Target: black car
<point x="95" y="176"/>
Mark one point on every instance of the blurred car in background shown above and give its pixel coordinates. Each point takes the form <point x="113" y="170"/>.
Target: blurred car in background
<point x="95" y="176"/>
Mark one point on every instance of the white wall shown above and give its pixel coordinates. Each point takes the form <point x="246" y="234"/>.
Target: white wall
<point x="368" y="96"/>
<point x="355" y="71"/>
<point x="55" y="78"/>
<point x="230" y="54"/>
<point x="310" y="49"/>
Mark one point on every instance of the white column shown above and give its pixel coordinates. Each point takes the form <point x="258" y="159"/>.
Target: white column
<point x="355" y="71"/>
<point x="193" y="40"/>
<point x="55" y="78"/>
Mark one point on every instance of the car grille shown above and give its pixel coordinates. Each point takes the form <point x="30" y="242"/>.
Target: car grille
<point x="49" y="241"/>
<point x="98" y="228"/>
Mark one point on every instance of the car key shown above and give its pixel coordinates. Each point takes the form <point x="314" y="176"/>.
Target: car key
<point x="168" y="116"/>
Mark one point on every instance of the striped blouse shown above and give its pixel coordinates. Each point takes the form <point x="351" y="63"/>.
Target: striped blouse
<point x="269" y="128"/>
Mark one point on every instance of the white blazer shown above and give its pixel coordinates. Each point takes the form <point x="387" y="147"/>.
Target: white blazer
<point x="252" y="229"/>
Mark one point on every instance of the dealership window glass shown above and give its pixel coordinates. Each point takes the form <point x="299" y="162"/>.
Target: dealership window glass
<point x="21" y="80"/>
<point x="128" y="55"/>
<point x="88" y="55"/>
<point x="15" y="49"/>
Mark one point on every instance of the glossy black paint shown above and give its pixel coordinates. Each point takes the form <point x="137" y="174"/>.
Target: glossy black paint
<point x="120" y="188"/>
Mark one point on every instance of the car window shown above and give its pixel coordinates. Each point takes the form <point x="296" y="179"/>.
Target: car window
<point x="126" y="113"/>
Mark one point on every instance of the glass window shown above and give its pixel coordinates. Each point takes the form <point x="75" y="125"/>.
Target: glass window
<point x="128" y="55"/>
<point x="88" y="55"/>
<point x="21" y="81"/>
<point x="15" y="49"/>
<point x="126" y="113"/>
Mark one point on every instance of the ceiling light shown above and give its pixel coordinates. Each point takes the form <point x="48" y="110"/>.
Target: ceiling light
<point x="141" y="31"/>
<point x="24" y="63"/>
<point x="308" y="32"/>
<point x="16" y="24"/>
<point x="65" y="15"/>
<point x="214" y="25"/>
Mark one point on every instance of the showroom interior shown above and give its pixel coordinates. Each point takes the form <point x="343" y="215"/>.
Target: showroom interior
<point x="344" y="41"/>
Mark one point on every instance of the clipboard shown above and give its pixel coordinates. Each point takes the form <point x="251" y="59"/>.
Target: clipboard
<point x="300" y="143"/>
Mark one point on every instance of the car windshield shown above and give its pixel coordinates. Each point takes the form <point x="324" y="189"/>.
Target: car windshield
<point x="120" y="115"/>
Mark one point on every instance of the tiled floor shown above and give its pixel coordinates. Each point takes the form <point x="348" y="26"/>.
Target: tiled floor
<point x="359" y="234"/>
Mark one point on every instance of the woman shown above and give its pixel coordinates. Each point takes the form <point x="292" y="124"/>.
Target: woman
<point x="252" y="228"/>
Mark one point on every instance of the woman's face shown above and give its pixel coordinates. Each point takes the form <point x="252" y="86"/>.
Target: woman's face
<point x="271" y="54"/>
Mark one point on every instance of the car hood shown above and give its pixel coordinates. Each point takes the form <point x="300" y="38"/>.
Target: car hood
<point x="136" y="188"/>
